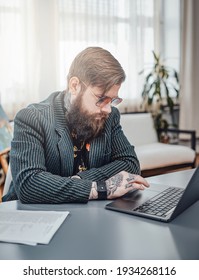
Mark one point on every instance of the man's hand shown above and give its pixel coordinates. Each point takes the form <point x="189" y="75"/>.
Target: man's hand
<point x="124" y="182"/>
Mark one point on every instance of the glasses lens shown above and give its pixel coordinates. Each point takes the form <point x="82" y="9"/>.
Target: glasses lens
<point x="116" y="101"/>
<point x="103" y="101"/>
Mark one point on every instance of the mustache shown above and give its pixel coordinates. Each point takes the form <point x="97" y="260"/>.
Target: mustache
<point x="102" y="115"/>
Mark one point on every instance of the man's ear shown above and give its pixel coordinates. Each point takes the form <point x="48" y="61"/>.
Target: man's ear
<point x="74" y="86"/>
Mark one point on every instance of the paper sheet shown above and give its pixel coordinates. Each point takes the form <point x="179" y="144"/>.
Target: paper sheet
<point x="30" y="227"/>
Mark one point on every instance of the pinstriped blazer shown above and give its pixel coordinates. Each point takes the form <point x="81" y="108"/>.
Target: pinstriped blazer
<point x="42" y="155"/>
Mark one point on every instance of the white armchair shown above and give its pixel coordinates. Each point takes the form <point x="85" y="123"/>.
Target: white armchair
<point x="155" y="157"/>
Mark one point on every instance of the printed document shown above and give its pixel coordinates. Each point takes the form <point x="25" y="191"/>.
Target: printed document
<point x="30" y="227"/>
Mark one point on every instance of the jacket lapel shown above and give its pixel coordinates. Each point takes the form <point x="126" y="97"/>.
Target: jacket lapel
<point x="65" y="147"/>
<point x="65" y="144"/>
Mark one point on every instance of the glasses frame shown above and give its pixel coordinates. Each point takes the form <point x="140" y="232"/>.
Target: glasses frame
<point x="101" y="100"/>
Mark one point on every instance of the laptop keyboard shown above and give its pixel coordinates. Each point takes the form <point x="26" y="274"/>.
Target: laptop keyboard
<point x="162" y="203"/>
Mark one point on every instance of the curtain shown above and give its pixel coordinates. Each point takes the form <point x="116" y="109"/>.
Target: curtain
<point x="124" y="27"/>
<point x="189" y="104"/>
<point x="39" y="40"/>
<point x="27" y="52"/>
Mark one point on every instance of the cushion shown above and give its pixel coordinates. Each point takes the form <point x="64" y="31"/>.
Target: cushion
<point x="139" y="128"/>
<point x="156" y="155"/>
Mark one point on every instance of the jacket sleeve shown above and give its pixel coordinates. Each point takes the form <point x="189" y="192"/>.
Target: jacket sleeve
<point x="123" y="156"/>
<point x="32" y="182"/>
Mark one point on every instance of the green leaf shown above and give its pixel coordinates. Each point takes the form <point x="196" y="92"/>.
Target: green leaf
<point x="170" y="104"/>
<point x="141" y="72"/>
<point x="149" y="76"/>
<point x="160" y="81"/>
<point x="177" y="92"/>
<point x="176" y="76"/>
<point x="150" y="100"/>
<point x="155" y="57"/>
<point x="166" y="89"/>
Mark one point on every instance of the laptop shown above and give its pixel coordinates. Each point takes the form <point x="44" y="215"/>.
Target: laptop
<point x="159" y="202"/>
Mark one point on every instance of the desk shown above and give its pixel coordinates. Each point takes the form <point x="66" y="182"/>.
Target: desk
<point x="92" y="232"/>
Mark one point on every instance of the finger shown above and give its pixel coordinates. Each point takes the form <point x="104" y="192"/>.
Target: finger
<point x="136" y="186"/>
<point x="138" y="179"/>
<point x="145" y="183"/>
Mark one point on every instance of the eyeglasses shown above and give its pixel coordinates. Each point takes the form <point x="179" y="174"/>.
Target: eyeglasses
<point x="104" y="100"/>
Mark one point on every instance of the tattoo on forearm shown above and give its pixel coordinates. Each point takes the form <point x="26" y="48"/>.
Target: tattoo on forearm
<point x="113" y="183"/>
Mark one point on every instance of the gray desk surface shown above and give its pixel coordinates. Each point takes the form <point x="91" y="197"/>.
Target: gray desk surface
<point x="92" y="232"/>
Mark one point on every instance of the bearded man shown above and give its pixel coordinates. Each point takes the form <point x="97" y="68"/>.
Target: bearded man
<point x="71" y="147"/>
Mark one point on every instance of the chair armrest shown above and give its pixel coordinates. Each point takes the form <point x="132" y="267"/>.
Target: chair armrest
<point x="3" y="159"/>
<point x="183" y="131"/>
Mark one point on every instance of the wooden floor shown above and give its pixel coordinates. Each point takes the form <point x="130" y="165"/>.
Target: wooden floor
<point x="197" y="160"/>
<point x="1" y="192"/>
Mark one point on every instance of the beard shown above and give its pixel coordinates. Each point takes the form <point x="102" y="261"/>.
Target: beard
<point x="84" y="125"/>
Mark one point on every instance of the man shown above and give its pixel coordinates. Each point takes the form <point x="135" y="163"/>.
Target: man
<point x="71" y="147"/>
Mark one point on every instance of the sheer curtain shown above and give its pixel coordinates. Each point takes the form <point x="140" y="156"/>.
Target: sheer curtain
<point x="124" y="27"/>
<point x="189" y="113"/>
<point x="39" y="39"/>
<point x="16" y="35"/>
<point x="28" y="51"/>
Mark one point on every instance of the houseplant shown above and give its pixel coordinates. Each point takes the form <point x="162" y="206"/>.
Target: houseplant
<point x="160" y="90"/>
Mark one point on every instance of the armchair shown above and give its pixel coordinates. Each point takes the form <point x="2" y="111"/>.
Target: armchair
<point x="4" y="166"/>
<point x="155" y="157"/>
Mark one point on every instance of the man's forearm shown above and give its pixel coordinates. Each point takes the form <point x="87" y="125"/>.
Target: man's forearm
<point x="104" y="172"/>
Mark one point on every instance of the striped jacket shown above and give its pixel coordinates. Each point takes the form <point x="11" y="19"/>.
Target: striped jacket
<point x="42" y="155"/>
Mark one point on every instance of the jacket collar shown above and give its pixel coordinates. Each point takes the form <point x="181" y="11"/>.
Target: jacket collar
<point x="59" y="111"/>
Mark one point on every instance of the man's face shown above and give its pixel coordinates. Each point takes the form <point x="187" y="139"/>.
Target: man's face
<point x="85" y="118"/>
<point x="92" y="95"/>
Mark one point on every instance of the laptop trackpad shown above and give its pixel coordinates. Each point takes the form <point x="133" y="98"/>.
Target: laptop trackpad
<point x="133" y="199"/>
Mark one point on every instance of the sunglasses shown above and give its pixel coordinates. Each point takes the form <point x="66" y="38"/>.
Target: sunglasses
<point x="104" y="100"/>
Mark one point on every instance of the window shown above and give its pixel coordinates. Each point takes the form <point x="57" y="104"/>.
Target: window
<point x="39" y="40"/>
<point x="124" y="27"/>
<point x="12" y="74"/>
